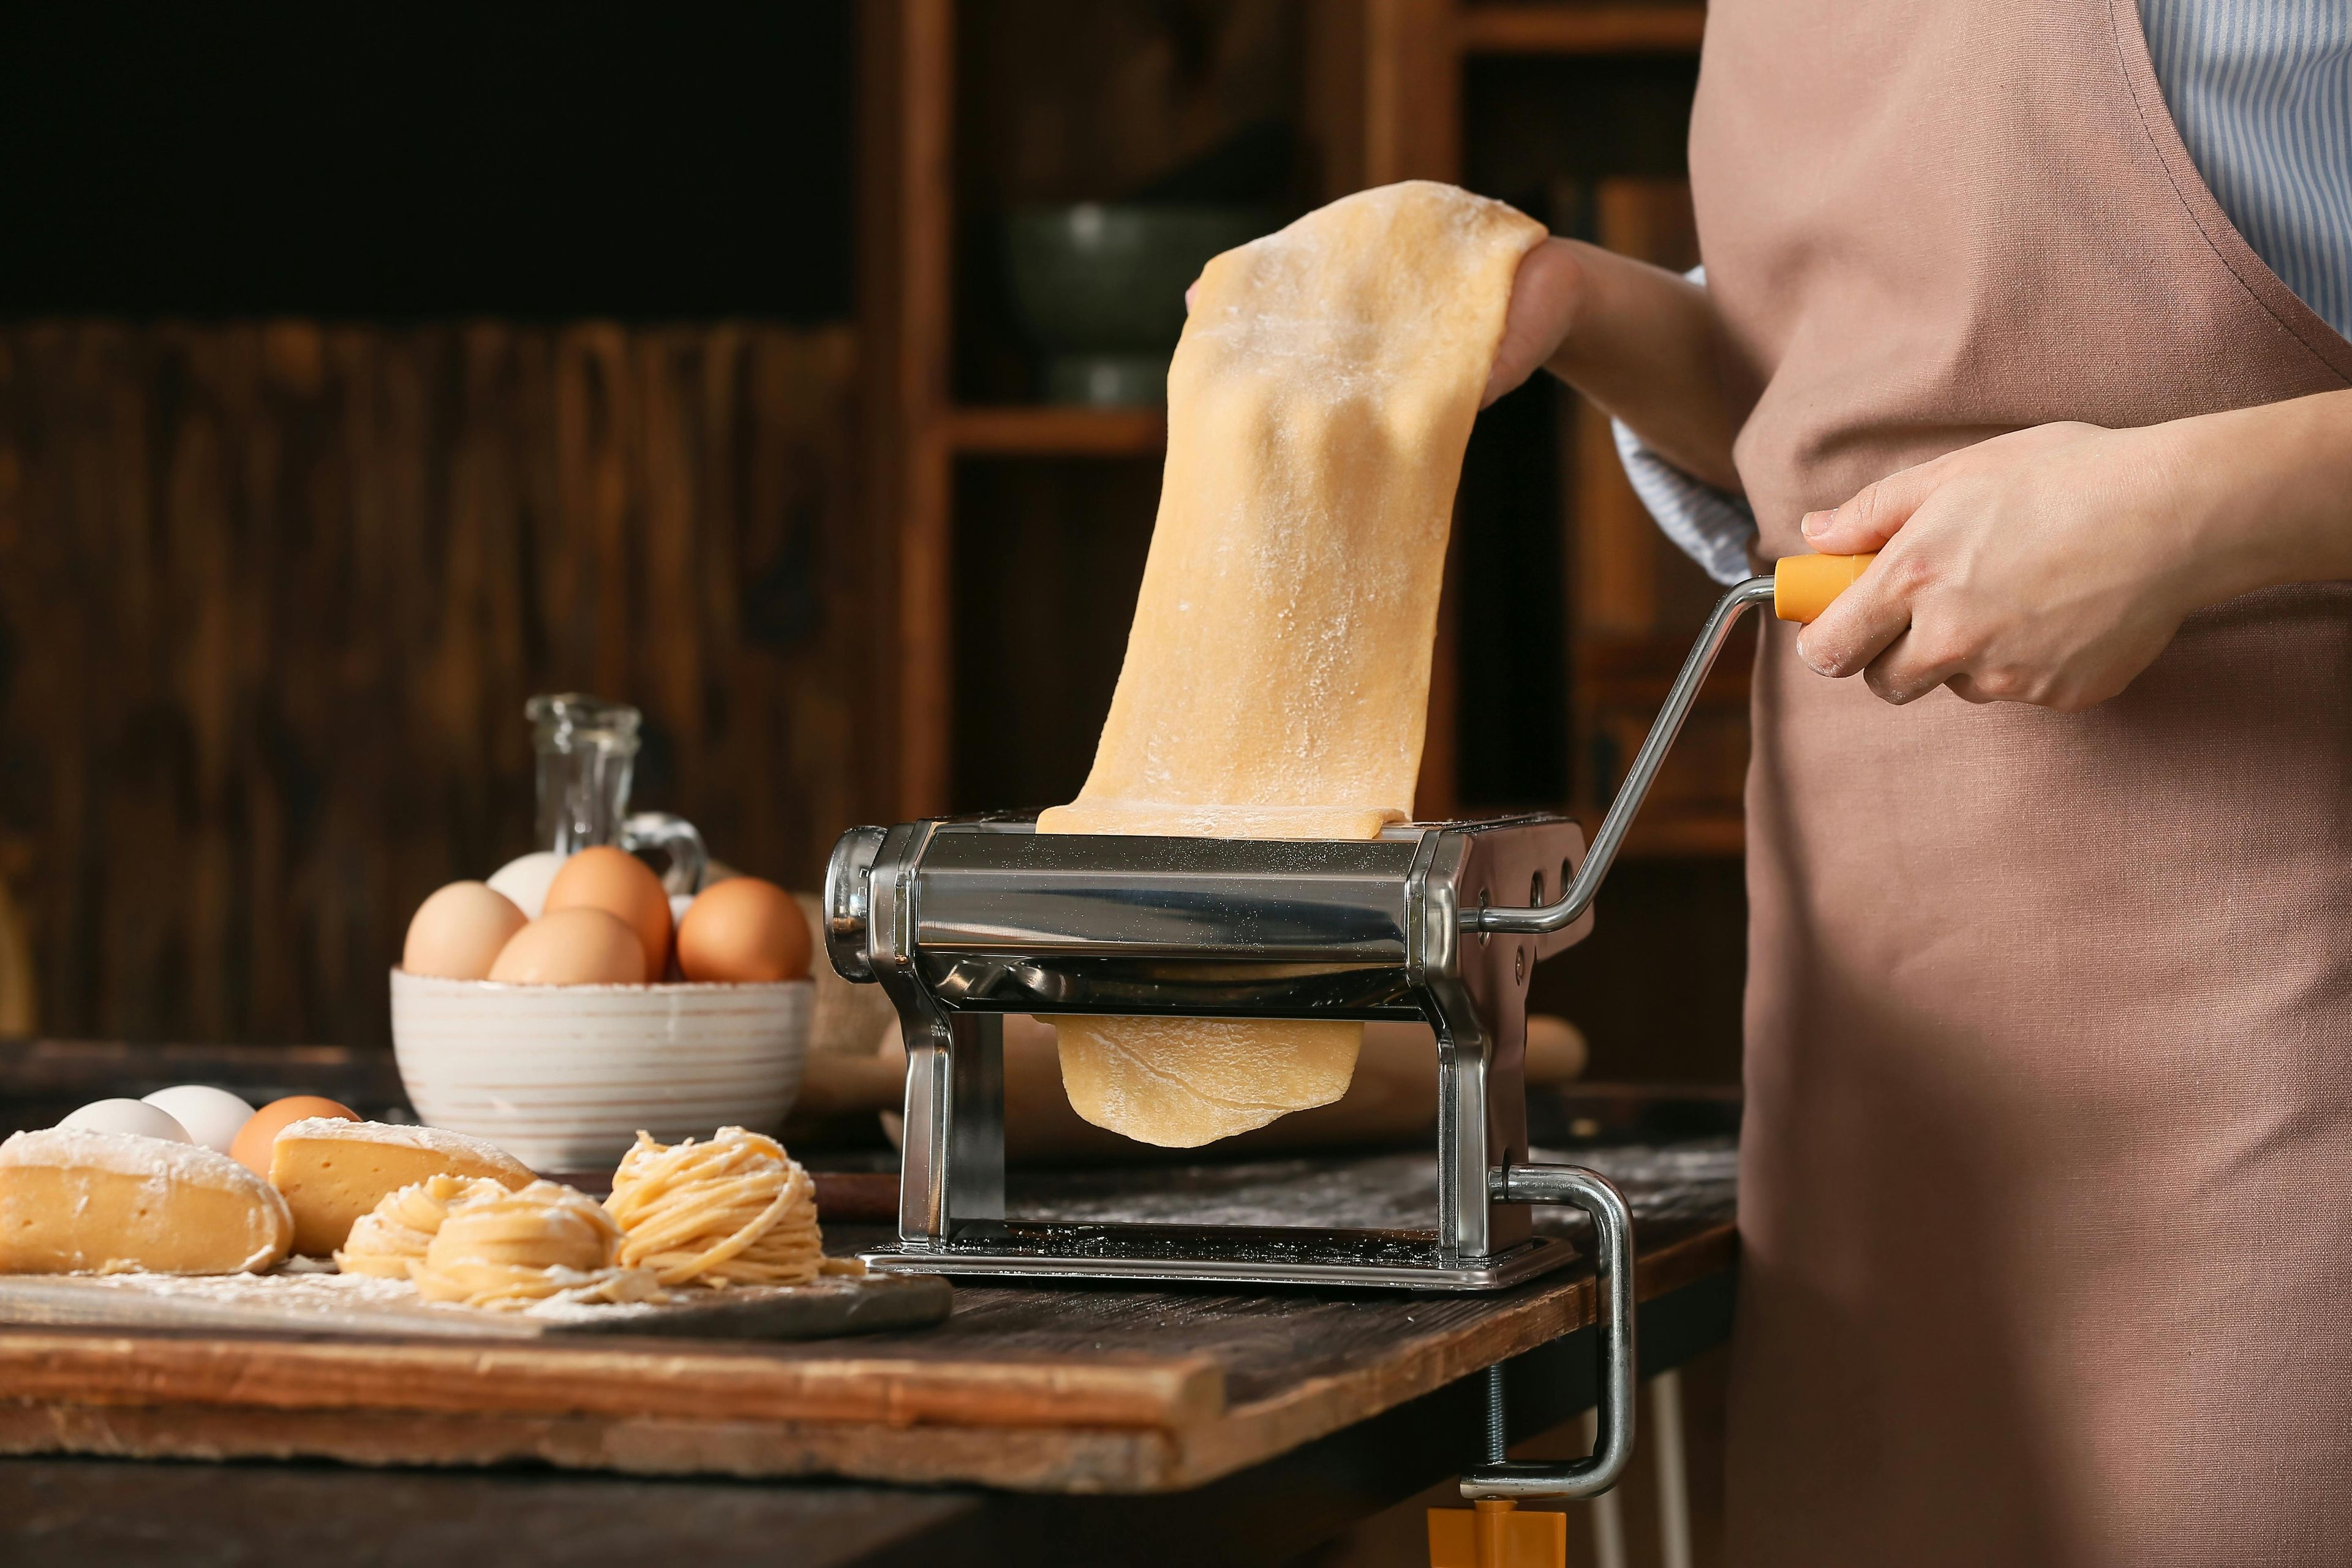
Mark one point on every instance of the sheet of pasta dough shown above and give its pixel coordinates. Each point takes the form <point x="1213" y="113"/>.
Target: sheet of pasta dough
<point x="1276" y="683"/>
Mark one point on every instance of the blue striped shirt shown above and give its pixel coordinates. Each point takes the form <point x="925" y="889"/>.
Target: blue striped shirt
<point x="2262" y="91"/>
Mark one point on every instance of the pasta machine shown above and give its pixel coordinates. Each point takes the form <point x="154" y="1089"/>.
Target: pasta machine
<point x="962" y="921"/>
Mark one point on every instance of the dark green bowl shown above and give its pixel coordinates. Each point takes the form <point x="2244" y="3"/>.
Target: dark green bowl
<point x="1097" y="279"/>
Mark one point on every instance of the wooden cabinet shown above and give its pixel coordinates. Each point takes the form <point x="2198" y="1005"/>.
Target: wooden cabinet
<point x="995" y="516"/>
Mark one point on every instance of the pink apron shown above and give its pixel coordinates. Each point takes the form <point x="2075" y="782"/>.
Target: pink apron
<point x="2046" y="1194"/>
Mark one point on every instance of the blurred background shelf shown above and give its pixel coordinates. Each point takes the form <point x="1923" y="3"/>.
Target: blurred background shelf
<point x="1687" y="835"/>
<point x="1017" y="430"/>
<point x="1569" y="29"/>
<point x="1574" y="112"/>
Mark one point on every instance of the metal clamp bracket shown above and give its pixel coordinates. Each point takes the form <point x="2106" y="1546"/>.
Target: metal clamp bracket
<point x="1612" y="1261"/>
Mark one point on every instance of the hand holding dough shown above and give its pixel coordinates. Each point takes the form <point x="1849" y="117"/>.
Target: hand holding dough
<point x="1276" y="683"/>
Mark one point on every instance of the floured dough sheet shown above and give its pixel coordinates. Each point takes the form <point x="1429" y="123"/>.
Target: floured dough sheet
<point x="1276" y="683"/>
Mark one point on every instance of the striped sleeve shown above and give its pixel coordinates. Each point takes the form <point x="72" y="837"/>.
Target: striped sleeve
<point x="2262" y="91"/>
<point x="1711" y="526"/>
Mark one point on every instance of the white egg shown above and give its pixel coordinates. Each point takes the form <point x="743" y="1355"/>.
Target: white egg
<point x="525" y="879"/>
<point x="212" y="1117"/>
<point x="127" y="1116"/>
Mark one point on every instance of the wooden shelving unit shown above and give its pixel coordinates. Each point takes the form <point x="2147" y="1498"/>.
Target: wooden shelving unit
<point x="1016" y="430"/>
<point x="1382" y="102"/>
<point x="1569" y="29"/>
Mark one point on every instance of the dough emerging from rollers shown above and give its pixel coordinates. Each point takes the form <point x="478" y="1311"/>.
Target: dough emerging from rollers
<point x="1276" y="683"/>
<point x="733" y="1210"/>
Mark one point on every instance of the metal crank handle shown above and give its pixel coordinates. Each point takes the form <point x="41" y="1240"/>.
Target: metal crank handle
<point x="1613" y="1445"/>
<point x="1799" y="588"/>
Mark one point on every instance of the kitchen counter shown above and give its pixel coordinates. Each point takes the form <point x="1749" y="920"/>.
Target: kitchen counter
<point x="1066" y="1424"/>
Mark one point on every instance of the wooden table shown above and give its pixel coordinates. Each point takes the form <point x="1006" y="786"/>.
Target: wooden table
<point x="1067" y="1424"/>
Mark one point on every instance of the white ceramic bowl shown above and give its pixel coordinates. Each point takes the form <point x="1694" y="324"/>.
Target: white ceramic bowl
<point x="562" y="1076"/>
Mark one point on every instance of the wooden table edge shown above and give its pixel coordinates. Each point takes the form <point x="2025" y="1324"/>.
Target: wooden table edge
<point x="1254" y="1431"/>
<point x="1148" y="1427"/>
<point x="111" y="1367"/>
<point x="1045" y="1460"/>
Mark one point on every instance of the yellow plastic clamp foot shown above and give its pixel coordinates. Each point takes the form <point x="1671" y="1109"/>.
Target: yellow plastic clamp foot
<point x="1494" y="1534"/>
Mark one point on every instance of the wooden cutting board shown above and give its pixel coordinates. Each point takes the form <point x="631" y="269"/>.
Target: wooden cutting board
<point x="344" y="1304"/>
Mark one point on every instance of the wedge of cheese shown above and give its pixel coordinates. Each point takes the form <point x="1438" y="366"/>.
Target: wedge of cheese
<point x="74" y="1202"/>
<point x="332" y="1172"/>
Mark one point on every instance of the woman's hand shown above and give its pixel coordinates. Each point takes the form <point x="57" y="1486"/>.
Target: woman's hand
<point x="1636" y="339"/>
<point x="2052" y="565"/>
<point x="1544" y="298"/>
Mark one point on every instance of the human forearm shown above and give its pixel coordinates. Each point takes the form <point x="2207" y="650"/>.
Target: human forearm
<point x="1644" y="345"/>
<point x="2265" y="494"/>
<point x="1637" y="340"/>
<point x="2051" y="566"/>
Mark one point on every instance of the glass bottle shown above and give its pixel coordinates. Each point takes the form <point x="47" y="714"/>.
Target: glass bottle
<point x="587" y="750"/>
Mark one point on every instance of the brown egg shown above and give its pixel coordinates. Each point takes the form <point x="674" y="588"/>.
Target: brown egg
<point x="255" y="1139"/>
<point x="457" y="933"/>
<point x="620" y="884"/>
<point x="743" y="930"/>
<point x="572" y="947"/>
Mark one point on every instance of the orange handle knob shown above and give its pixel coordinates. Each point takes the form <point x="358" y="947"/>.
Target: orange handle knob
<point x="1803" y="585"/>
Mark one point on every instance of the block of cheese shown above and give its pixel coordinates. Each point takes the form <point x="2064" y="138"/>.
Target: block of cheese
<point x="332" y="1172"/>
<point x="79" y="1202"/>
